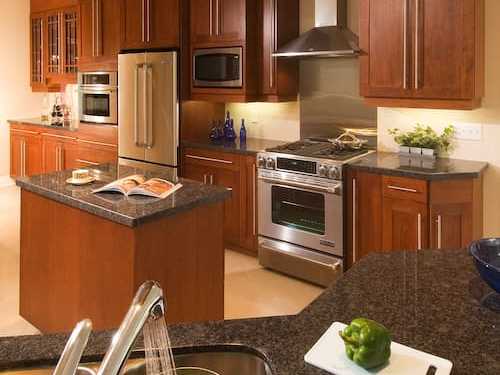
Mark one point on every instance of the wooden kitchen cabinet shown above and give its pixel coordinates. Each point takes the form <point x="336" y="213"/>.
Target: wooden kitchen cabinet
<point x="238" y="174"/>
<point x="391" y="213"/>
<point x="150" y="24"/>
<point x="280" y="25"/>
<point x="59" y="152"/>
<point x="25" y="149"/>
<point x="100" y="35"/>
<point x="90" y="154"/>
<point x="436" y="50"/>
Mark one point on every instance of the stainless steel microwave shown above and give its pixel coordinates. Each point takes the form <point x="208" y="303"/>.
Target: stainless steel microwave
<point x="218" y="67"/>
<point x="98" y="93"/>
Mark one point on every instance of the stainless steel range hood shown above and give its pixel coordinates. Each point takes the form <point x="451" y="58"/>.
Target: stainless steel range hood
<point x="330" y="37"/>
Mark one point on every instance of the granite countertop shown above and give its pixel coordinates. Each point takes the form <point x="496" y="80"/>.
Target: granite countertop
<point x="428" y="169"/>
<point x="130" y="211"/>
<point x="430" y="300"/>
<point x="73" y="126"/>
<point x="252" y="146"/>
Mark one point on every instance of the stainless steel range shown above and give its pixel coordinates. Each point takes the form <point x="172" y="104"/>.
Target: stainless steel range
<point x="301" y="207"/>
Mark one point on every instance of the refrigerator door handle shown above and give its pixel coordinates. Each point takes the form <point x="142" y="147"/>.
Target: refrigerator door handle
<point x="149" y="116"/>
<point x="136" y="105"/>
<point x="145" y="111"/>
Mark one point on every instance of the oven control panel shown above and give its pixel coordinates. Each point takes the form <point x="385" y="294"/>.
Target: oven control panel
<point x="307" y="166"/>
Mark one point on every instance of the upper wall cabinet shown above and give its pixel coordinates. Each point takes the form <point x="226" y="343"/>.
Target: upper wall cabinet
<point x="150" y="24"/>
<point x="54" y="43"/>
<point x="217" y="21"/>
<point x="422" y="53"/>
<point x="280" y="24"/>
<point x="100" y="34"/>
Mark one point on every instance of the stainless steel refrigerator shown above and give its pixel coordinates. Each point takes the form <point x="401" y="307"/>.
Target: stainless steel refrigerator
<point x="148" y="107"/>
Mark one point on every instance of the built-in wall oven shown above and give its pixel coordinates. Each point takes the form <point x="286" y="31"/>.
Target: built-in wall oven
<point x="218" y="67"/>
<point x="98" y="97"/>
<point x="300" y="218"/>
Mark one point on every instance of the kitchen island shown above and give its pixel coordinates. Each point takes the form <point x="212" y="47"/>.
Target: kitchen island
<point x="430" y="300"/>
<point x="84" y="255"/>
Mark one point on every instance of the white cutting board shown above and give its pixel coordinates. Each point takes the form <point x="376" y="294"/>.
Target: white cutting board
<point x="329" y="354"/>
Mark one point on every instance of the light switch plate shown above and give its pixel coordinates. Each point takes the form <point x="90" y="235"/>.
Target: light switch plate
<point x="466" y="131"/>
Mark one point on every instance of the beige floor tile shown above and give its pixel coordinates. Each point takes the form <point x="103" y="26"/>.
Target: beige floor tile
<point x="250" y="290"/>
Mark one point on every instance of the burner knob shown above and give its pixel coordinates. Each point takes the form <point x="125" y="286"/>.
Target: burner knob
<point x="270" y="163"/>
<point x="334" y="173"/>
<point x="323" y="171"/>
<point x="261" y="162"/>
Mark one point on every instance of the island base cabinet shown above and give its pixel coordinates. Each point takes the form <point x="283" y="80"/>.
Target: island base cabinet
<point x="77" y="265"/>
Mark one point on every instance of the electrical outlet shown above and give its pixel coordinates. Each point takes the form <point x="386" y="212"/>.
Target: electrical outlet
<point x="468" y="131"/>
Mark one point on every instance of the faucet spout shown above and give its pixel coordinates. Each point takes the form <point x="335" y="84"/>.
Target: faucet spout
<point x="70" y="358"/>
<point x="148" y="304"/>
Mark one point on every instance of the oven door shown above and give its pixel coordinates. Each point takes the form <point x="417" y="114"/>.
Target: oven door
<point x="99" y="105"/>
<point x="218" y="67"/>
<point x="307" y="216"/>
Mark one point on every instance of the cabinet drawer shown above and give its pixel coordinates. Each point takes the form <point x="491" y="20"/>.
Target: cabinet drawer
<point x="211" y="158"/>
<point x="405" y="188"/>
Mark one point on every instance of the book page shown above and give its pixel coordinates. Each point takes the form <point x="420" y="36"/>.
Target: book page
<point x="124" y="185"/>
<point x="155" y="187"/>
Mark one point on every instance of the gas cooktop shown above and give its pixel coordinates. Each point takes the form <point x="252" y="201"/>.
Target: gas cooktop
<point x="322" y="149"/>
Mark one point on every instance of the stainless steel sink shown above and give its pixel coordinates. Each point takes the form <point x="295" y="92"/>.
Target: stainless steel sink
<point x="210" y="361"/>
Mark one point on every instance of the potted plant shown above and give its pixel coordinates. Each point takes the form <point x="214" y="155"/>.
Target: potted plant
<point x="423" y="140"/>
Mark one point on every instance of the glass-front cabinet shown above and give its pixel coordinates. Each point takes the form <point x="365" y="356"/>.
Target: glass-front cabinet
<point x="54" y="48"/>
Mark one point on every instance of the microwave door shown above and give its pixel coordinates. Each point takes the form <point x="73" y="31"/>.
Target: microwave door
<point x="131" y="106"/>
<point x="162" y="126"/>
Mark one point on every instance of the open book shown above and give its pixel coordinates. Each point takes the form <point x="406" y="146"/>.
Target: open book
<point x="137" y="185"/>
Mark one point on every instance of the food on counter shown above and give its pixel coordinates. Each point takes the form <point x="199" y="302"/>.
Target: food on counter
<point x="367" y="343"/>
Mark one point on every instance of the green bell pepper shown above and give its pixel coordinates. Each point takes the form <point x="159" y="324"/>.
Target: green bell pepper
<point x="367" y="343"/>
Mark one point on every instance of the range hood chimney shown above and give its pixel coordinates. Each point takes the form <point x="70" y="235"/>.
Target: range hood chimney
<point x="330" y="37"/>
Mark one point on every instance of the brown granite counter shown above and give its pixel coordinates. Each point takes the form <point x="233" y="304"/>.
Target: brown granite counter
<point x="252" y="146"/>
<point x="421" y="168"/>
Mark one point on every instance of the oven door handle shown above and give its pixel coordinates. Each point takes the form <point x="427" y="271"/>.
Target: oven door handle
<point x="336" y="189"/>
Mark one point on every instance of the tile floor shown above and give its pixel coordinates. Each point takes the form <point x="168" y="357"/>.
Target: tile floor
<point x="250" y="290"/>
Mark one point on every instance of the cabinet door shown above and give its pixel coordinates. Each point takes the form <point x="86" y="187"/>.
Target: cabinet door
<point x="59" y="153"/>
<point x="451" y="226"/>
<point x="405" y="225"/>
<point x="37" y="74"/>
<point x="195" y="172"/>
<point x="87" y="30"/>
<point x="70" y="27"/>
<point x="133" y="25"/>
<point x="230" y="22"/>
<point x="363" y="214"/>
<point x="16" y="155"/>
<point x="232" y="208"/>
<point x="54" y="44"/>
<point x="384" y="37"/>
<point x="69" y="154"/>
<point x="444" y="48"/>
<point x="202" y="21"/>
<point x="162" y="24"/>
<point x="32" y="152"/>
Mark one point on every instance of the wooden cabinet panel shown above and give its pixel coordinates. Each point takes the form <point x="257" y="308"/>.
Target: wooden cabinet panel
<point x="59" y="153"/>
<point x="451" y="226"/>
<point x="229" y="16"/>
<point x="405" y="188"/>
<point x="436" y="49"/>
<point x="25" y="151"/>
<point x="150" y="24"/>
<point x="100" y="34"/>
<point x="280" y="24"/>
<point x="405" y="225"/>
<point x="384" y="34"/>
<point x="363" y="214"/>
<point x="202" y="21"/>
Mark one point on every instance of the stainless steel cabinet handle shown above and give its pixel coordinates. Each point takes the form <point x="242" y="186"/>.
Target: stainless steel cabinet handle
<point x="211" y="11"/>
<point x="405" y="45"/>
<point x="143" y="15"/>
<point x="148" y="21"/>
<point x="419" y="231"/>
<point x="354" y="220"/>
<point x="417" y="39"/>
<point x="82" y="161"/>
<point x="98" y="28"/>
<point x="254" y="198"/>
<point x="93" y="28"/>
<point x="407" y="190"/>
<point x="273" y="43"/>
<point x="61" y="160"/>
<point x="23" y="161"/>
<point x="217" y="18"/>
<point x="211" y="179"/>
<point x="208" y="159"/>
<point x="439" y="232"/>
<point x="57" y="159"/>
<point x="23" y="131"/>
<point x="205" y="179"/>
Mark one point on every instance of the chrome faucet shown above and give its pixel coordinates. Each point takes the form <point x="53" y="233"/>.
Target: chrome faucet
<point x="147" y="304"/>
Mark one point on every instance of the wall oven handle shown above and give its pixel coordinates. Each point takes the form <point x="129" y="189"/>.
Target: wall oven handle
<point x="321" y="189"/>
